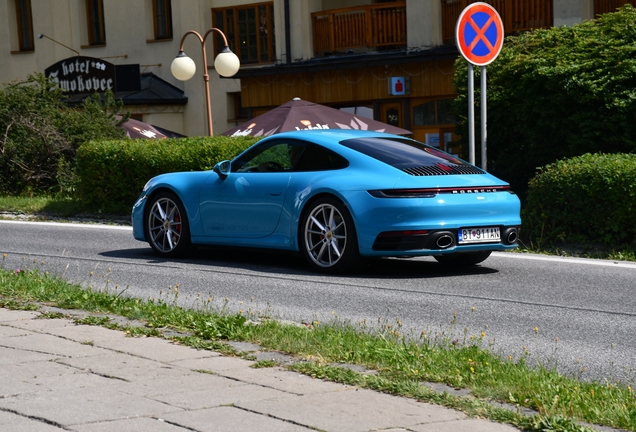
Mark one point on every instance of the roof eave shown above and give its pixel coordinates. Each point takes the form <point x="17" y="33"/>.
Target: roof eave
<point x="351" y="61"/>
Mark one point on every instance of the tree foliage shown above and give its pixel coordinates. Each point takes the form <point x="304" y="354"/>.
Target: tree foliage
<point x="557" y="93"/>
<point x="40" y="134"/>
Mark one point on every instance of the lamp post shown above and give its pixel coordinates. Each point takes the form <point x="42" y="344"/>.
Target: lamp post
<point x="226" y="64"/>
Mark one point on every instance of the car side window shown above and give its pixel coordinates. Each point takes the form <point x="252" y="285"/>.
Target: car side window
<point x="317" y="158"/>
<point x="294" y="156"/>
<point x="268" y="158"/>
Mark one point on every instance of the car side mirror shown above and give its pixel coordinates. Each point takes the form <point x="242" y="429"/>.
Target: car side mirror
<point x="222" y="169"/>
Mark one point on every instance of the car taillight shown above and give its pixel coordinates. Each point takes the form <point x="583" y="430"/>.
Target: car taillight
<point x="432" y="192"/>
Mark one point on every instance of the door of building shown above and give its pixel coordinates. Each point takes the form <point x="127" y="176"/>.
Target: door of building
<point x="392" y="113"/>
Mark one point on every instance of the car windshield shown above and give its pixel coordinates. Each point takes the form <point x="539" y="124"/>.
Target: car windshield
<point x="401" y="153"/>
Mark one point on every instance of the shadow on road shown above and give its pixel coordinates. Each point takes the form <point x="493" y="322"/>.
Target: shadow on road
<point x="413" y="268"/>
<point x="290" y="263"/>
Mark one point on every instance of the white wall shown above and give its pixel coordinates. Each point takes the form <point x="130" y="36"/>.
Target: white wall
<point x="423" y="23"/>
<point x="570" y="12"/>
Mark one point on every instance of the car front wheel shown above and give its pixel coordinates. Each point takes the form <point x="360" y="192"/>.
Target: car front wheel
<point x="167" y="229"/>
<point x="463" y="258"/>
<point x="328" y="237"/>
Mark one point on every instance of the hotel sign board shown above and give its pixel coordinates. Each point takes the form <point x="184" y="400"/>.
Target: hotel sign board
<point x="78" y="75"/>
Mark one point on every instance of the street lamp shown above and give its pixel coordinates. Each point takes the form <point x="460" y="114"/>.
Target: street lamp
<point x="226" y="64"/>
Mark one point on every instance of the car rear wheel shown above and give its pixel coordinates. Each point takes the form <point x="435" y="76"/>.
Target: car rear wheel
<point x="167" y="229"/>
<point x="463" y="258"/>
<point x="328" y="237"/>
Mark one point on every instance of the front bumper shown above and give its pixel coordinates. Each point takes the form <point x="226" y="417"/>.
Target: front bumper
<point x="137" y="218"/>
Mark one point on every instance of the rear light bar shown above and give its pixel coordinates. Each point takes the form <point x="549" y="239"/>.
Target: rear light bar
<point x="432" y="192"/>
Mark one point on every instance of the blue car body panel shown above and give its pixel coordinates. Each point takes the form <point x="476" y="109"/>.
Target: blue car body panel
<point x="259" y="209"/>
<point x="245" y="205"/>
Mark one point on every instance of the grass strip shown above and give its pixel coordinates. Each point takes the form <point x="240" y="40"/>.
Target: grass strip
<point x="402" y="363"/>
<point x="61" y="207"/>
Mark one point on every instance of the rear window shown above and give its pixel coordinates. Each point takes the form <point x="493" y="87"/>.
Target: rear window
<point x="411" y="156"/>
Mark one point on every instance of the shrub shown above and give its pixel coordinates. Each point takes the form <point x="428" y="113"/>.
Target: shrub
<point x="111" y="174"/>
<point x="590" y="199"/>
<point x="40" y="135"/>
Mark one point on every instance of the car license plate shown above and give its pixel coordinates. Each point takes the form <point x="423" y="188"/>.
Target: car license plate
<point x="479" y="235"/>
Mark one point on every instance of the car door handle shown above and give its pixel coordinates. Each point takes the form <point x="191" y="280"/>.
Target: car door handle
<point x="275" y="193"/>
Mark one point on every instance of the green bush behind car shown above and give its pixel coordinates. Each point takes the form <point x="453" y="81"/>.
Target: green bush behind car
<point x="590" y="199"/>
<point x="111" y="174"/>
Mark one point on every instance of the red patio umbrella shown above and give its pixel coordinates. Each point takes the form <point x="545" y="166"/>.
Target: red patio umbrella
<point x="298" y="114"/>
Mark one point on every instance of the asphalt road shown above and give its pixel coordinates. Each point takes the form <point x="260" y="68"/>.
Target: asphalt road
<point x="577" y="314"/>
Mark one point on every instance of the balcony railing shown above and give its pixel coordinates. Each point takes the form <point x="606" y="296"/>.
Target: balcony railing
<point x="605" y="6"/>
<point x="369" y="27"/>
<point x="517" y="15"/>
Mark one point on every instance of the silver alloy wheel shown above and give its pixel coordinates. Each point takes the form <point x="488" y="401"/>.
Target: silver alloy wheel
<point x="325" y="235"/>
<point x="164" y="225"/>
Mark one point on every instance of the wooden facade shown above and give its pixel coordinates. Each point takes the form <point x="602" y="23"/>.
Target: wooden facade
<point x="363" y="27"/>
<point x="362" y="86"/>
<point x="517" y="15"/>
<point x="354" y="85"/>
<point x="605" y="6"/>
<point x="379" y="25"/>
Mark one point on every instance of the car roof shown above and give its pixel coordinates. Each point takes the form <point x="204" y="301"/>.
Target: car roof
<point x="331" y="136"/>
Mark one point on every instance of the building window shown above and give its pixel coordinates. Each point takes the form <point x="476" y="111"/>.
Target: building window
<point x="434" y="112"/>
<point x="249" y="30"/>
<point x="95" y="18"/>
<point x="162" y="12"/>
<point x="25" y="24"/>
<point x="240" y="112"/>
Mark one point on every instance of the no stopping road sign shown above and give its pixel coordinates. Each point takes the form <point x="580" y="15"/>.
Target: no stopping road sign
<point x="479" y="33"/>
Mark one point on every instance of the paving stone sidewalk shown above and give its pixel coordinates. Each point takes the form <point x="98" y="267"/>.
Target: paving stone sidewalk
<point x="56" y="375"/>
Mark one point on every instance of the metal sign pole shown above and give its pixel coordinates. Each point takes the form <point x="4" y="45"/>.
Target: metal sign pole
<point x="471" y="114"/>
<point x="479" y="36"/>
<point x="484" y="134"/>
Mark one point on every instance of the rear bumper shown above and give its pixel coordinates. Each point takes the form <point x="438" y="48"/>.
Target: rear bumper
<point x="440" y="241"/>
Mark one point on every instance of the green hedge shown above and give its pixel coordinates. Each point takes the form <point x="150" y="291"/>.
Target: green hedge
<point x="111" y="174"/>
<point x="590" y="199"/>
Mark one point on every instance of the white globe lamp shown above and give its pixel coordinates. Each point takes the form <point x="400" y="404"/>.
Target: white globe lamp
<point x="227" y="63"/>
<point x="183" y="67"/>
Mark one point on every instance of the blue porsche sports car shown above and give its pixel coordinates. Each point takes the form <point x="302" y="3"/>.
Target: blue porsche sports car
<point x="335" y="196"/>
